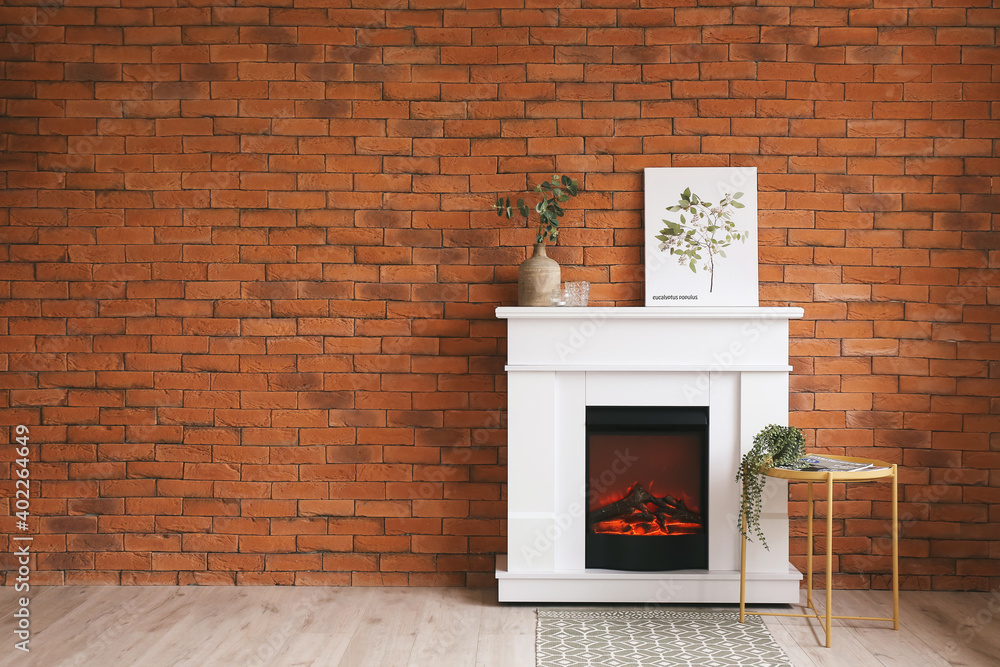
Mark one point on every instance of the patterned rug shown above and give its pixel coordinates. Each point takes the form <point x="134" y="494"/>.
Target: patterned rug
<point x="653" y="637"/>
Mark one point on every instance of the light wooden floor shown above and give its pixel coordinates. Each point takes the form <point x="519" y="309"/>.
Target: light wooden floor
<point x="428" y="627"/>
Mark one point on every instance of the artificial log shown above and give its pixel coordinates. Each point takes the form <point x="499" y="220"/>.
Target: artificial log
<point x="634" y="507"/>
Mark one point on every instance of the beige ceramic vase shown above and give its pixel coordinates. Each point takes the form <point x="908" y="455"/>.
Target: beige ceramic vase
<point x="537" y="277"/>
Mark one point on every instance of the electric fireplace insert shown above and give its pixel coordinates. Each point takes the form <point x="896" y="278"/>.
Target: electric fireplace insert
<point x="647" y="488"/>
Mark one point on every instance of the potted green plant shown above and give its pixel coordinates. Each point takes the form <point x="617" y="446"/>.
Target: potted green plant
<point x="773" y="446"/>
<point x="539" y="275"/>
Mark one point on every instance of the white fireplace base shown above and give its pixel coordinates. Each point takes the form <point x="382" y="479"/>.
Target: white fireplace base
<point x="562" y="360"/>
<point x="681" y="586"/>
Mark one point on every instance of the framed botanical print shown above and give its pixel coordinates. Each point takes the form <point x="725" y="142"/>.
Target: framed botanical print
<point x="701" y="236"/>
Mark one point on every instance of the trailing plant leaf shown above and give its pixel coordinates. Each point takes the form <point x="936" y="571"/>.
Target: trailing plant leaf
<point x="773" y="446"/>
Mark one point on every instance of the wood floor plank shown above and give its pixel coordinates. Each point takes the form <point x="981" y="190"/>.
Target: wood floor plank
<point x="46" y="604"/>
<point x="508" y="618"/>
<point x="893" y="648"/>
<point x="388" y="628"/>
<point x="313" y="650"/>
<point x="193" y="626"/>
<point x="449" y="633"/>
<point x="506" y="633"/>
<point x="785" y="639"/>
<point x="965" y="626"/>
<point x="253" y="634"/>
<point x="107" y="618"/>
<point x="331" y="609"/>
<point x="807" y="640"/>
<point x="499" y="650"/>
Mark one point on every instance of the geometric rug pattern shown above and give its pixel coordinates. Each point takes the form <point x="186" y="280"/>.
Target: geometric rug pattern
<point x="653" y="637"/>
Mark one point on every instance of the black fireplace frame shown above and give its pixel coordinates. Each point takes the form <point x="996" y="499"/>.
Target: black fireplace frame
<point x="649" y="553"/>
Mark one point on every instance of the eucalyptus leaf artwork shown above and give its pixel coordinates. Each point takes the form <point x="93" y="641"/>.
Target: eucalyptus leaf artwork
<point x="703" y="232"/>
<point x="700" y="236"/>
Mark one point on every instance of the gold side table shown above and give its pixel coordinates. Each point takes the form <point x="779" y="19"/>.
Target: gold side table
<point x="881" y="470"/>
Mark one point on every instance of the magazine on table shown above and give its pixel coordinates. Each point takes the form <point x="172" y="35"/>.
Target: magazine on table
<point x="817" y="463"/>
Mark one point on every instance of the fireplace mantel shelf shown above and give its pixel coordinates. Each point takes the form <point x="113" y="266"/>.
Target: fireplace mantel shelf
<point x="652" y="313"/>
<point x="652" y="368"/>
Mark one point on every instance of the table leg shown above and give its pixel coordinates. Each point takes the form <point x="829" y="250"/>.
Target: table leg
<point x="743" y="570"/>
<point x="895" y="550"/>
<point x="809" y="546"/>
<point x="829" y="557"/>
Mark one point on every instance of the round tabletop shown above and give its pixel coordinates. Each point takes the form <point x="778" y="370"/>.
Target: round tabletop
<point x="880" y="469"/>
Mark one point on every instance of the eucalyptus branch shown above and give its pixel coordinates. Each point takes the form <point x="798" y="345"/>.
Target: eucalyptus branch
<point x="687" y="238"/>
<point x="555" y="192"/>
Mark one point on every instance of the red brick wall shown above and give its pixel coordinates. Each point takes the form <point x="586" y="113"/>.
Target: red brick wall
<point x="250" y="272"/>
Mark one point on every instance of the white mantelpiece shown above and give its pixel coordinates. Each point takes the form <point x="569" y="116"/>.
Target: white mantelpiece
<point x="561" y="360"/>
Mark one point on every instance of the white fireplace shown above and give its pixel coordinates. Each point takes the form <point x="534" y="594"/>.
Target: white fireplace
<point x="734" y="361"/>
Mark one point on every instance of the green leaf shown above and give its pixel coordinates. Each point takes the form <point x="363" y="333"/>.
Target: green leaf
<point x="722" y="253"/>
<point x="686" y="194"/>
<point x="566" y="180"/>
<point x="736" y="204"/>
<point x="737" y="195"/>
